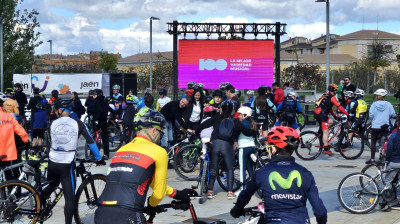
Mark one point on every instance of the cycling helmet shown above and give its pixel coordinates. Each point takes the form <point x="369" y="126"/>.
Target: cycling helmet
<point x="250" y="92"/>
<point x="191" y="84"/>
<point x="217" y="92"/>
<point x="349" y="94"/>
<point x="3" y="96"/>
<point x="36" y="90"/>
<point x="238" y="93"/>
<point x="40" y="106"/>
<point x="18" y="85"/>
<point x="98" y="92"/>
<point x="227" y="105"/>
<point x="207" y="99"/>
<point x="291" y="93"/>
<point x="261" y="90"/>
<point x="285" y="138"/>
<point x="147" y="117"/>
<point x="246" y="111"/>
<point x="162" y="91"/>
<point x="116" y="87"/>
<point x="201" y="85"/>
<point x="148" y="90"/>
<point x="332" y="87"/>
<point x="359" y="92"/>
<point x="65" y="105"/>
<point x="189" y="92"/>
<point x="44" y="101"/>
<point x="54" y="93"/>
<point x="135" y="99"/>
<point x="223" y="85"/>
<point x="209" y="111"/>
<point x="381" y="92"/>
<point x="10" y="91"/>
<point x="129" y="98"/>
<point x="91" y="92"/>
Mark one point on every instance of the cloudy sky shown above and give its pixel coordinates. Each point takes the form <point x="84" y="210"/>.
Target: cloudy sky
<point x="123" y="25"/>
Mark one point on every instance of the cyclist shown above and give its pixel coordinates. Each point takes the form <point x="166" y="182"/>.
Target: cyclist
<point x="250" y="98"/>
<point x="231" y="96"/>
<point x="54" y="98"/>
<point x="348" y="98"/>
<point x="128" y="116"/>
<point x="100" y="116"/>
<point x="10" y="105"/>
<point x="357" y="112"/>
<point x="322" y="108"/>
<point x="89" y="103"/>
<point x="289" y="108"/>
<point x="205" y="134"/>
<point x="380" y="112"/>
<point x="64" y="132"/>
<point x="134" y="168"/>
<point x="218" y="96"/>
<point x="39" y="124"/>
<point x="270" y="95"/>
<point x="9" y="126"/>
<point x="190" y="86"/>
<point x="284" y="199"/>
<point x="21" y="98"/>
<point x="141" y="103"/>
<point x="279" y="93"/>
<point x="201" y="86"/>
<point x="32" y="106"/>
<point x="261" y="108"/>
<point x="164" y="99"/>
<point x="206" y="101"/>
<point x="116" y="94"/>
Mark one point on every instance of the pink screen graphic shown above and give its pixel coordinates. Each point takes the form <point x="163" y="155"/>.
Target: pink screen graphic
<point x="246" y="64"/>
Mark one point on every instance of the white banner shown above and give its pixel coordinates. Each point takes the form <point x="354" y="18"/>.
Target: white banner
<point x="64" y="83"/>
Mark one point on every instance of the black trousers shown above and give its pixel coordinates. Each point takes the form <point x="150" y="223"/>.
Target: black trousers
<point x="105" y="138"/>
<point x="117" y="215"/>
<point x="225" y="150"/>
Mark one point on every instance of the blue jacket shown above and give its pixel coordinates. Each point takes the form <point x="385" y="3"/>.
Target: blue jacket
<point x="285" y="186"/>
<point x="380" y="113"/>
<point x="40" y="120"/>
<point x="393" y="148"/>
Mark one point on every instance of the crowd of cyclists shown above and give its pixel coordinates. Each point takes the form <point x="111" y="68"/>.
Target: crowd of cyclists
<point x="219" y="117"/>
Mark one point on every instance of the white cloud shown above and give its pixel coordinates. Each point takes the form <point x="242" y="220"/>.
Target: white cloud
<point x="377" y="4"/>
<point x="311" y="31"/>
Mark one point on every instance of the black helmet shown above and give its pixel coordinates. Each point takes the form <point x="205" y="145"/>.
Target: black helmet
<point x="36" y="90"/>
<point x="218" y="92"/>
<point x="64" y="104"/>
<point x="207" y="99"/>
<point x="147" y="117"/>
<point x="91" y="92"/>
<point x="18" y="85"/>
<point x="162" y="91"/>
<point x="261" y="90"/>
<point x="227" y="105"/>
<point x="54" y="93"/>
<point x="98" y="92"/>
<point x="40" y="106"/>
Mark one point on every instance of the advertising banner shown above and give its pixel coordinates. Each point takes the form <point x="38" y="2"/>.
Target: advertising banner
<point x="64" y="83"/>
<point x="246" y="64"/>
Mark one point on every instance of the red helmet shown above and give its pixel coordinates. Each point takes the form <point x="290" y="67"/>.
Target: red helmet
<point x="209" y="109"/>
<point x="285" y="138"/>
<point x="189" y="92"/>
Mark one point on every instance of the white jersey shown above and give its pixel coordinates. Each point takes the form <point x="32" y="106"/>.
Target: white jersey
<point x="163" y="101"/>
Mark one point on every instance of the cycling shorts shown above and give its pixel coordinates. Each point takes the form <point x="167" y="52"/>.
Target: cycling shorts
<point x="322" y="120"/>
<point x="358" y="124"/>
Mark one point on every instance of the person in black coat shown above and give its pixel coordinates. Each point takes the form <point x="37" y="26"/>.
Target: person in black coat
<point x="32" y="106"/>
<point x="21" y="98"/>
<point x="194" y="111"/>
<point x="127" y="117"/>
<point x="77" y="106"/>
<point x="100" y="116"/>
<point x="89" y="103"/>
<point x="347" y="87"/>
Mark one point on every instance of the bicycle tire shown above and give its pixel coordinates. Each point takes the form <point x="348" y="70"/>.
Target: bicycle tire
<point x="356" y="191"/>
<point x="28" y="197"/>
<point x="204" y="182"/>
<point x="373" y="170"/>
<point x="187" y="162"/>
<point x="221" y="174"/>
<point x="310" y="145"/>
<point x="116" y="139"/>
<point x="86" y="198"/>
<point x="355" y="149"/>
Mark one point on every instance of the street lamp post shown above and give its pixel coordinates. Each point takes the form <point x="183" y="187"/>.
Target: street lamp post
<point x="327" y="41"/>
<point x="151" y="50"/>
<point x="1" y="54"/>
<point x="51" y="55"/>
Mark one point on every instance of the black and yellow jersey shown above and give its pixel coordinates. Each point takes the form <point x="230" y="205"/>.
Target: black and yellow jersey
<point x="134" y="168"/>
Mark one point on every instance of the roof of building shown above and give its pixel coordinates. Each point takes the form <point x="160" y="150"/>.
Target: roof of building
<point x="368" y="34"/>
<point x="293" y="38"/>
<point x="319" y="58"/>
<point x="145" y="57"/>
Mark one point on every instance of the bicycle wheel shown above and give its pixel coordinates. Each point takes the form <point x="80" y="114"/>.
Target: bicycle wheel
<point x="204" y="182"/>
<point x="374" y="170"/>
<point x="310" y="146"/>
<point x="353" y="148"/>
<point x="300" y="120"/>
<point x="356" y="198"/>
<point x="222" y="175"/>
<point x="187" y="162"/>
<point x="86" y="198"/>
<point x="116" y="138"/>
<point x="19" y="203"/>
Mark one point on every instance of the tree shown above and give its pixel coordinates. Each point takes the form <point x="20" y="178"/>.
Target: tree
<point x="20" y="38"/>
<point x="162" y="72"/>
<point x="379" y="55"/>
<point x="108" y="62"/>
<point x="303" y="76"/>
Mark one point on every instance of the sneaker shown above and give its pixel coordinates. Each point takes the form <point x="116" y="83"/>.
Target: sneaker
<point x="231" y="195"/>
<point x="396" y="206"/>
<point x="328" y="152"/>
<point x="383" y="206"/>
<point x="210" y="194"/>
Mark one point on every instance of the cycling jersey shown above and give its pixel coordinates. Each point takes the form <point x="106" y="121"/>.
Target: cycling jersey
<point x="115" y="97"/>
<point x="11" y="106"/>
<point x="325" y="108"/>
<point x="361" y="108"/>
<point x="161" y="102"/>
<point x="135" y="167"/>
<point x="286" y="186"/>
<point x="289" y="108"/>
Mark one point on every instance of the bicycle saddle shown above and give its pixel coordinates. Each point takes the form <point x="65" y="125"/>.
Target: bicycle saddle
<point x="205" y="222"/>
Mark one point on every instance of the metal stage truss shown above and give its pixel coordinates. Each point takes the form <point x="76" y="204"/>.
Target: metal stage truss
<point x="176" y="28"/>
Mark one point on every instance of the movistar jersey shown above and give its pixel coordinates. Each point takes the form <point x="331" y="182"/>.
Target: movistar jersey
<point x="135" y="167"/>
<point x="285" y="186"/>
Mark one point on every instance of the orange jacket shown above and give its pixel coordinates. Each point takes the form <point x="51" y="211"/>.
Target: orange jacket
<point x="9" y="126"/>
<point x="11" y="106"/>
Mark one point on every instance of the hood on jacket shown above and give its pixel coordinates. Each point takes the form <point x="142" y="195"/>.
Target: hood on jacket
<point x="381" y="105"/>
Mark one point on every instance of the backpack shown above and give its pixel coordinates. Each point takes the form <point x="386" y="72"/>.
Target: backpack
<point x="225" y="131"/>
<point x="322" y="101"/>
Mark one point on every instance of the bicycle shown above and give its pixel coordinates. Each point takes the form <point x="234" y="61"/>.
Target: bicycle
<point x="186" y="158"/>
<point x="20" y="202"/>
<point x="311" y="144"/>
<point x="115" y="140"/>
<point x="180" y="205"/>
<point x="254" y="212"/>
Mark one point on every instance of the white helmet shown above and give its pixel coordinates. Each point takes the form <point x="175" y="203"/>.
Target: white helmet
<point x="359" y="92"/>
<point x="250" y="92"/>
<point x="381" y="92"/>
<point x="291" y="93"/>
<point x="348" y="94"/>
<point x="148" y="90"/>
<point x="3" y="96"/>
<point x="246" y="111"/>
<point x="201" y="85"/>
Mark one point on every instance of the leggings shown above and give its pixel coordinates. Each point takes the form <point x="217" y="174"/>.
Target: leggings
<point x="376" y="134"/>
<point x="225" y="150"/>
<point x="64" y="173"/>
<point x="245" y="162"/>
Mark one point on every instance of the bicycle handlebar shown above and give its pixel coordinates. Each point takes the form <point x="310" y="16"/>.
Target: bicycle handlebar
<point x="175" y="204"/>
<point x="90" y="160"/>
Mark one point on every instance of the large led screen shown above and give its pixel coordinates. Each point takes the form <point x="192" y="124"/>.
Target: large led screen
<point x="246" y="64"/>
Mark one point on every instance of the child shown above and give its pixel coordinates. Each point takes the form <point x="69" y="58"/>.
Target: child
<point x="207" y="101"/>
<point x="39" y="125"/>
<point x="205" y="135"/>
<point x="127" y="117"/>
<point x="246" y="144"/>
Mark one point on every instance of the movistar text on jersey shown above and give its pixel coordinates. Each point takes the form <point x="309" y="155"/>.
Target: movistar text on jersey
<point x="286" y="196"/>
